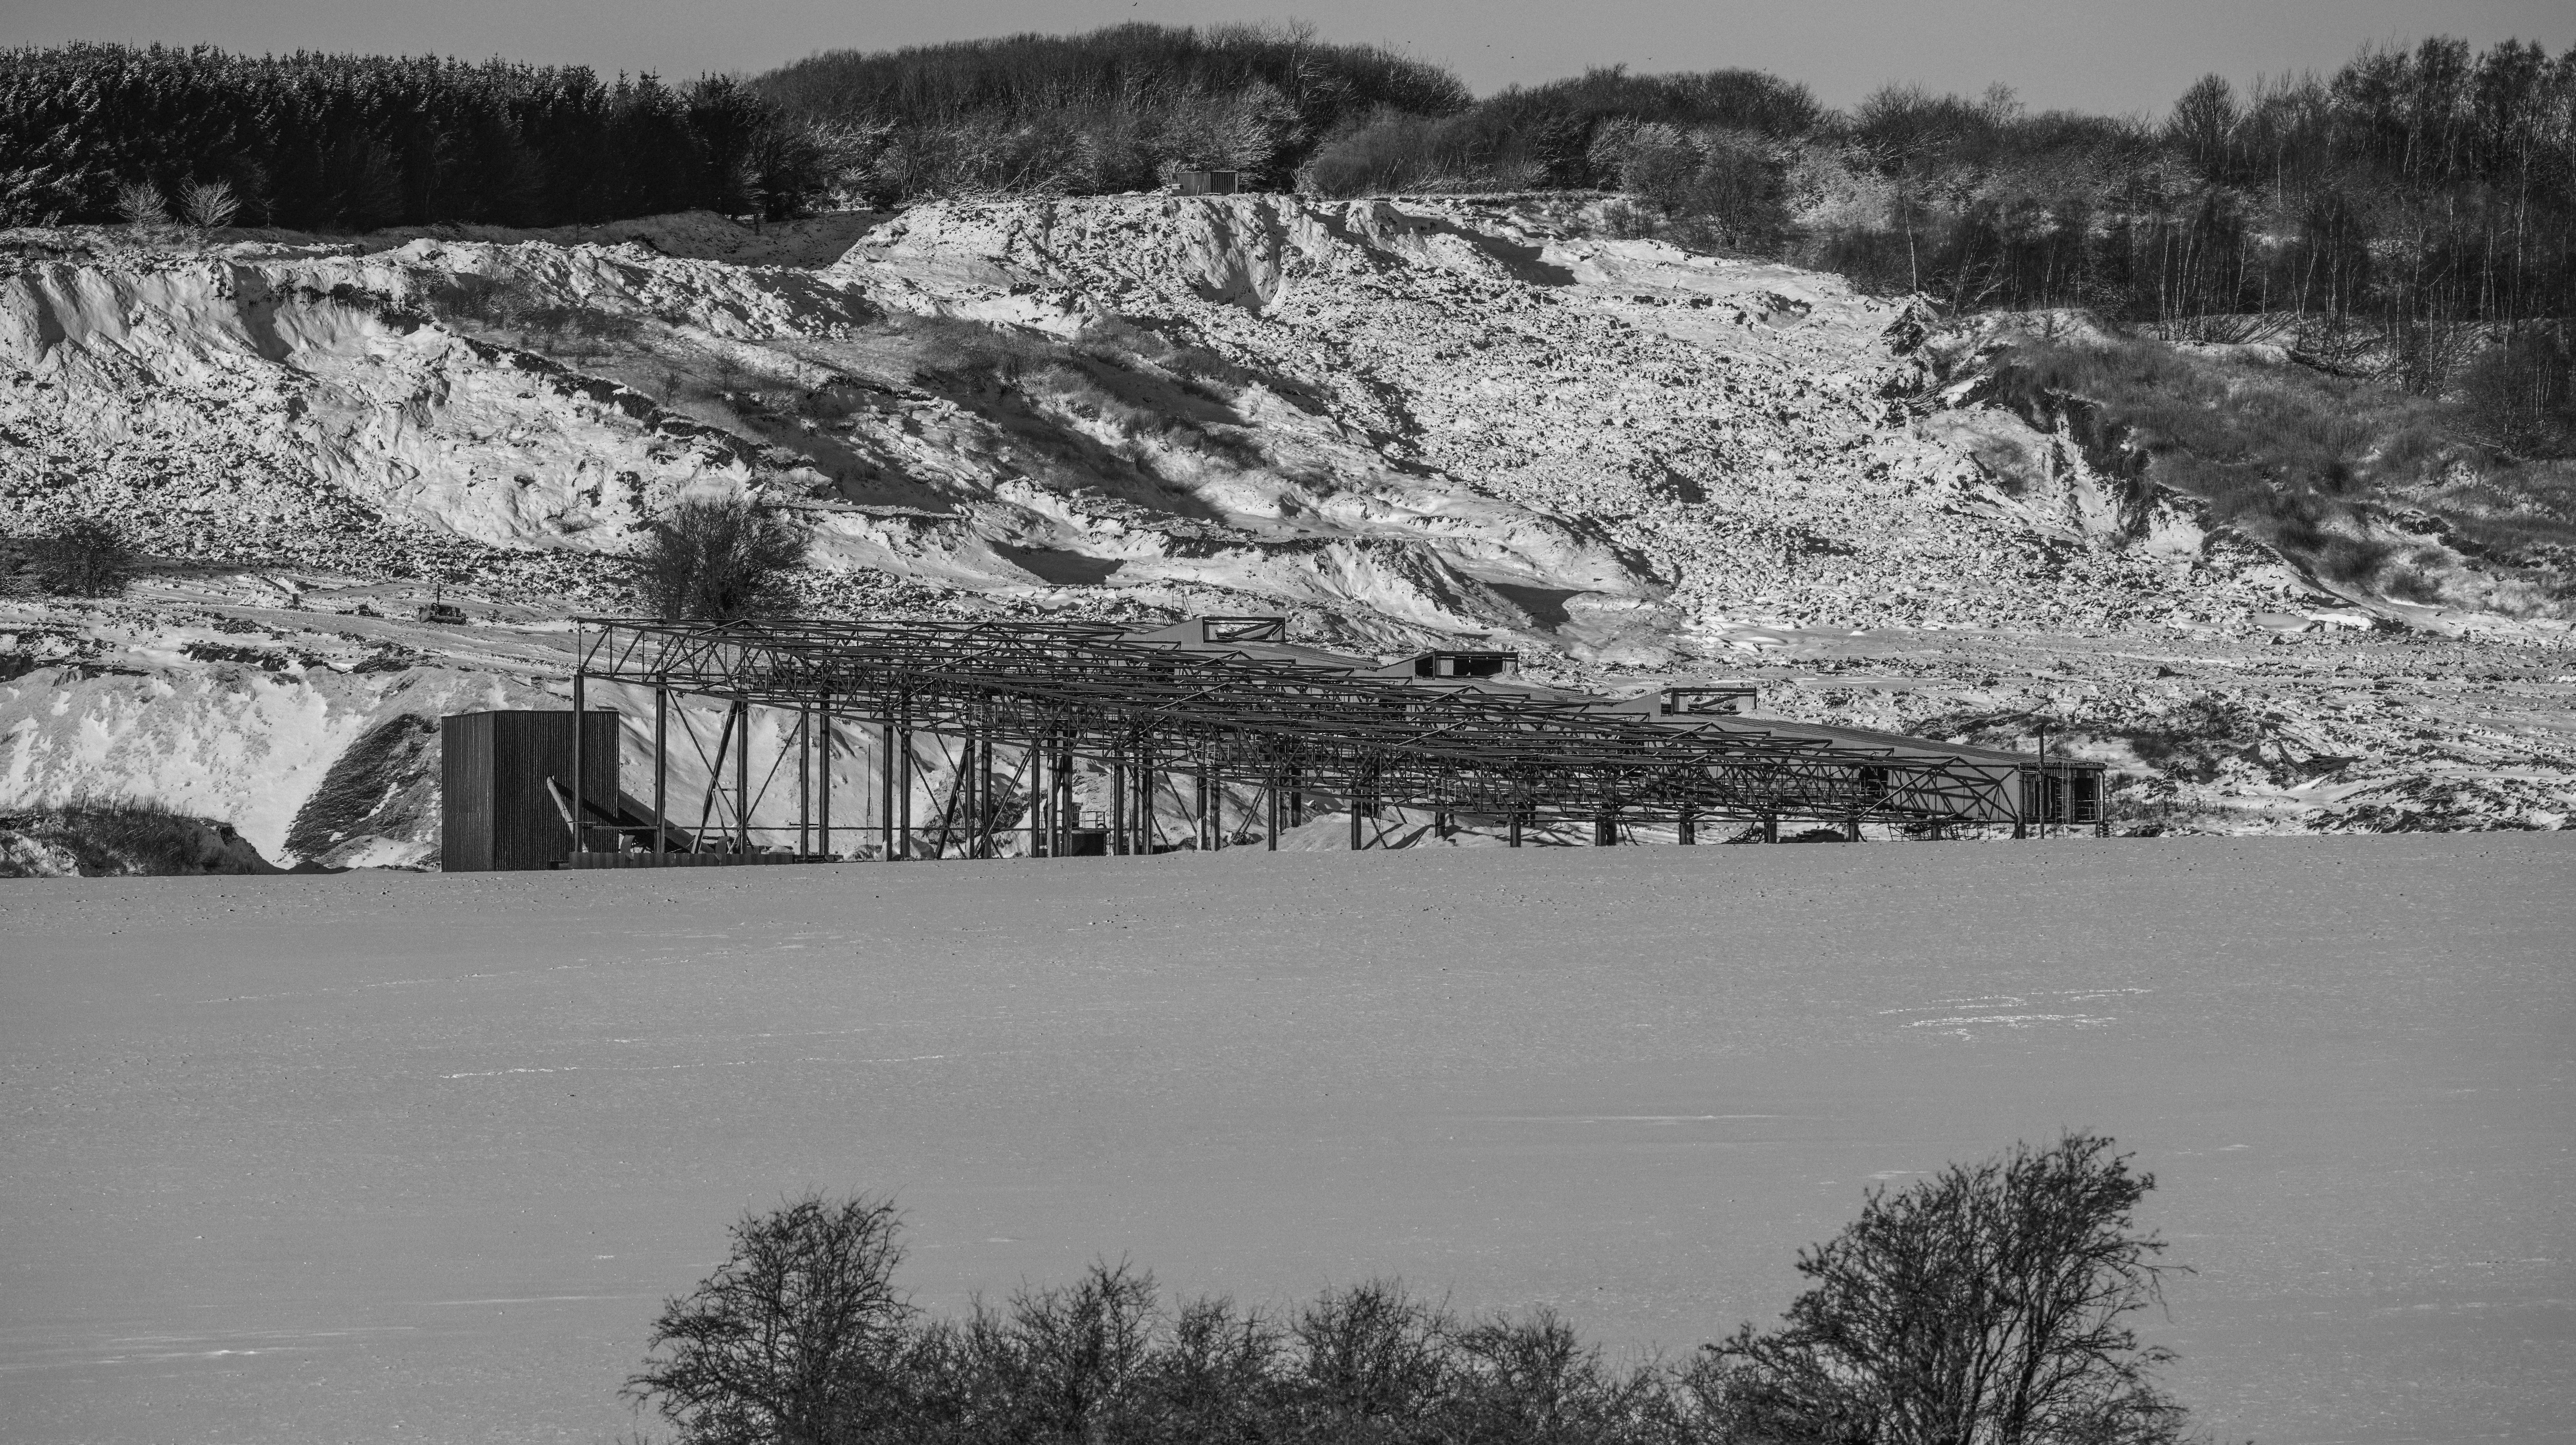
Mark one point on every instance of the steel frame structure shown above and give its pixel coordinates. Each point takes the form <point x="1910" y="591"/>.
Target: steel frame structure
<point x="1018" y="713"/>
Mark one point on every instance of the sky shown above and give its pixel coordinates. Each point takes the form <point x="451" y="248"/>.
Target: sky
<point x="2112" y="56"/>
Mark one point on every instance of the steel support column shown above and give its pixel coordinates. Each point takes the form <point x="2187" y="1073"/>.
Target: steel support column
<point x="661" y="765"/>
<point x="742" y="775"/>
<point x="1118" y="802"/>
<point x="580" y="675"/>
<point x="902" y="762"/>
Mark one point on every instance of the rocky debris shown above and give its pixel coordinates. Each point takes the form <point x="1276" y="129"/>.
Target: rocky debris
<point x="1392" y="421"/>
<point x="2322" y="733"/>
<point x="378" y="804"/>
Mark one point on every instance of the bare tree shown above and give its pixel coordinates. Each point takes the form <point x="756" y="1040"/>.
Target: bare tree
<point x="1987" y="1305"/>
<point x="142" y="204"/>
<point x="1533" y="1381"/>
<point x="1373" y="1360"/>
<point x="718" y="561"/>
<point x="209" y="206"/>
<point x="795" y="1340"/>
<point x="1076" y="1355"/>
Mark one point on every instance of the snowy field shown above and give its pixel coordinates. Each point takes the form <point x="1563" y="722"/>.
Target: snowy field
<point x="380" y="1157"/>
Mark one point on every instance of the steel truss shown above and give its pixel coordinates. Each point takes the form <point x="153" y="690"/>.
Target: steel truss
<point x="1018" y="715"/>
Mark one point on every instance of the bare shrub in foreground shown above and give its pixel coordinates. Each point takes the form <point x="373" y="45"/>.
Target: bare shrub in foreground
<point x="795" y="1335"/>
<point x="1987" y="1305"/>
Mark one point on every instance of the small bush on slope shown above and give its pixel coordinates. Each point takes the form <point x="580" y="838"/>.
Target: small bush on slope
<point x="88" y="558"/>
<point x="1985" y="1306"/>
<point x="717" y="562"/>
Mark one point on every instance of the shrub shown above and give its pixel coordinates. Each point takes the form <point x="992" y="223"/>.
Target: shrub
<point x="1213" y="1379"/>
<point x="1987" y="1303"/>
<point x="209" y="206"/>
<point x="140" y="203"/>
<point x="1371" y="1356"/>
<point x="2521" y="393"/>
<point x="1981" y="1307"/>
<point x="718" y="562"/>
<point x="794" y="1339"/>
<point x="1723" y="187"/>
<point x="88" y="558"/>
<point x="1070" y="1358"/>
<point x="1115" y="109"/>
<point x="1533" y="1381"/>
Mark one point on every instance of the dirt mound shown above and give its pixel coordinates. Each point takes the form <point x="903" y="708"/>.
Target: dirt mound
<point x="121" y="840"/>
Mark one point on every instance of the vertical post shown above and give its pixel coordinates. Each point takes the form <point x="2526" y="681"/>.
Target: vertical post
<point x="823" y="801"/>
<point x="2043" y="780"/>
<point x="1033" y="759"/>
<point x="1851" y="825"/>
<point x="1770" y="827"/>
<point x="903" y="783"/>
<point x="1215" y="800"/>
<point x="1516" y="828"/>
<point x="1686" y="832"/>
<point x="580" y="676"/>
<point x="1140" y="798"/>
<point x="742" y="775"/>
<point x="1358" y="806"/>
<point x="661" y="765"/>
<point x="1042" y="801"/>
<point x="1296" y="796"/>
<point x="967" y="773"/>
<point x="885" y="784"/>
<point x="1118" y="802"/>
<point x="979" y="844"/>
<point x="1270" y="811"/>
<point x="804" y="779"/>
<point x="1068" y="804"/>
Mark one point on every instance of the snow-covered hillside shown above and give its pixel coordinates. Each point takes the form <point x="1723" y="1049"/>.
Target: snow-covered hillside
<point x="1391" y="420"/>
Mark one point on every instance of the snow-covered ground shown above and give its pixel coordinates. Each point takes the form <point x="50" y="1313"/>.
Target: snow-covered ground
<point x="392" y="1157"/>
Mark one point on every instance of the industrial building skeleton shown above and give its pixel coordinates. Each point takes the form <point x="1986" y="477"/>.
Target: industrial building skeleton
<point x="1020" y="712"/>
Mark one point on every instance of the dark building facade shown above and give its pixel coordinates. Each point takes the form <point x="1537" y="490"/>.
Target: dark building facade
<point x="497" y="812"/>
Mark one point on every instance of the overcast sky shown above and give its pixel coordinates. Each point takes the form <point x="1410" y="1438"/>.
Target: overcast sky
<point x="2088" y="54"/>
